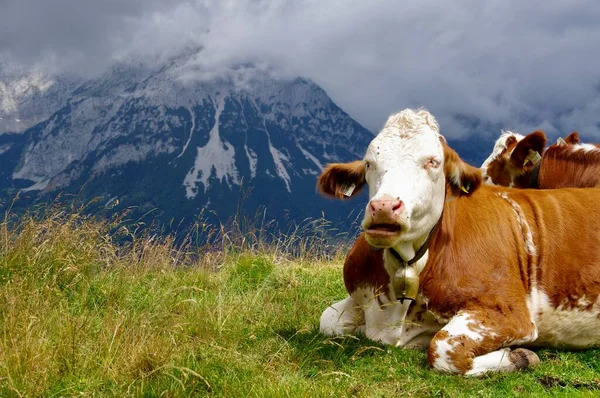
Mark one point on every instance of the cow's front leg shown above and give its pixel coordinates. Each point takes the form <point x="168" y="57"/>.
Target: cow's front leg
<point x="372" y="314"/>
<point x="385" y="321"/>
<point x="399" y="324"/>
<point x="473" y="343"/>
<point x="343" y="317"/>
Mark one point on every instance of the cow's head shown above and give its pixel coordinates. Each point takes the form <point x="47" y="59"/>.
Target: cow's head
<point x="409" y="170"/>
<point x="512" y="157"/>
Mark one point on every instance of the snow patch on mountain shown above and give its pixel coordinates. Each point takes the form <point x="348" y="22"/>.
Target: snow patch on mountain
<point x="5" y="148"/>
<point x="126" y="153"/>
<point x="193" y="119"/>
<point x="279" y="157"/>
<point x="216" y="155"/>
<point x="310" y="156"/>
<point x="252" y="159"/>
<point x="38" y="186"/>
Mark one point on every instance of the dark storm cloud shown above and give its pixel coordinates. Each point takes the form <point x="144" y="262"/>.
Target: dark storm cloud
<point x="521" y="65"/>
<point x="79" y="34"/>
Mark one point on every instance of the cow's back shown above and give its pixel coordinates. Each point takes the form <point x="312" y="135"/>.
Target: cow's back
<point x="565" y="166"/>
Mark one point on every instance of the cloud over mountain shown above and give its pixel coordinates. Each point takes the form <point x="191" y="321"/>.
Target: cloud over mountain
<point x="515" y="64"/>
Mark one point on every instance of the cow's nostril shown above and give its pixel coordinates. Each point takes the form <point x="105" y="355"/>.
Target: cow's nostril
<point x="397" y="205"/>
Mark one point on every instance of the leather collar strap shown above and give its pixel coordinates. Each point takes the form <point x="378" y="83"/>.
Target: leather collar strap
<point x="421" y="252"/>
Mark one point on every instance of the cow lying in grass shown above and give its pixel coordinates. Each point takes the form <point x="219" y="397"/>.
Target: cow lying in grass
<point x="498" y="267"/>
<point x="523" y="162"/>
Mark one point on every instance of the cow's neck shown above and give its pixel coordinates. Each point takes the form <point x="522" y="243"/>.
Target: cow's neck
<point x="534" y="176"/>
<point x="404" y="273"/>
<point x="529" y="179"/>
<point x="407" y="254"/>
<point x="420" y="252"/>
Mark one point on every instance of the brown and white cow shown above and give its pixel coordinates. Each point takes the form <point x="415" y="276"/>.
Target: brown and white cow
<point x="523" y="162"/>
<point x="502" y="268"/>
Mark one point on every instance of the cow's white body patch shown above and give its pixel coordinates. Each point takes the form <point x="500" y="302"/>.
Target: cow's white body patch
<point x="461" y="324"/>
<point x="441" y="319"/>
<point x="586" y="147"/>
<point x="385" y="322"/>
<point x="567" y="326"/>
<point x="583" y="302"/>
<point x="442" y="362"/>
<point x="525" y="228"/>
<point x="343" y="317"/>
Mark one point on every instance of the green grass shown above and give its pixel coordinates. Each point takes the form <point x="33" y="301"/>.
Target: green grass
<point x="80" y="315"/>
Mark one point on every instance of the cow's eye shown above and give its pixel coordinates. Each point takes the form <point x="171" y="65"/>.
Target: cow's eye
<point x="432" y="163"/>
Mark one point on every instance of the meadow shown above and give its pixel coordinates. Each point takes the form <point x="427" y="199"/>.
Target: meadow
<point x="89" y="307"/>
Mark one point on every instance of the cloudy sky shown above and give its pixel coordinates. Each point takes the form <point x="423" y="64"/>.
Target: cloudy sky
<point x="518" y="64"/>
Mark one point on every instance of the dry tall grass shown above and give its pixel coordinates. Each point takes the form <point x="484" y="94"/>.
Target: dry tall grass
<point x="86" y="300"/>
<point x="95" y="307"/>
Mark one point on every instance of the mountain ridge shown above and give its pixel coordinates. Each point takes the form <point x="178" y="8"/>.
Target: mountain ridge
<point x="121" y="134"/>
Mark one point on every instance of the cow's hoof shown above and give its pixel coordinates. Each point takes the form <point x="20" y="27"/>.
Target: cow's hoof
<point x="523" y="358"/>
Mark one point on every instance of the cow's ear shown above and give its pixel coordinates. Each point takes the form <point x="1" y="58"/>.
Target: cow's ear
<point x="511" y="139"/>
<point x="573" y="138"/>
<point x="462" y="178"/>
<point x="342" y="180"/>
<point x="528" y="151"/>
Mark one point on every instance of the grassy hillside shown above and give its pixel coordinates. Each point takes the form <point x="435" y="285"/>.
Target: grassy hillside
<point x="81" y="315"/>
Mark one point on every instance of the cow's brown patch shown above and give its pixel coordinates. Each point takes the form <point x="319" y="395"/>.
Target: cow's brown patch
<point x="364" y="268"/>
<point x="565" y="166"/>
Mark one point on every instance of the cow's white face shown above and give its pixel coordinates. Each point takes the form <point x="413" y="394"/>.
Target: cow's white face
<point x="405" y="175"/>
<point x="408" y="168"/>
